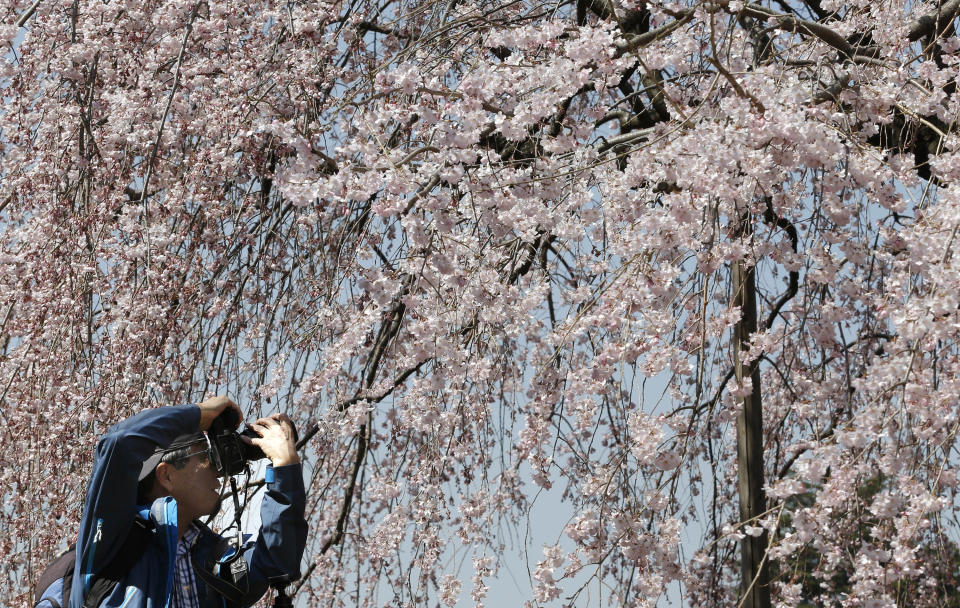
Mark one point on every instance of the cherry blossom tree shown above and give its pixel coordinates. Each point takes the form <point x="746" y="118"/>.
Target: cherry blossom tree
<point x="689" y="264"/>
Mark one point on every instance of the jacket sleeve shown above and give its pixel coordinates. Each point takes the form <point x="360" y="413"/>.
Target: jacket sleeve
<point x="110" y="504"/>
<point x="283" y="532"/>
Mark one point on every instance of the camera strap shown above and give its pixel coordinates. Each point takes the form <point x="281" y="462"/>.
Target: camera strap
<point x="228" y="577"/>
<point x="232" y="584"/>
<point x="237" y="509"/>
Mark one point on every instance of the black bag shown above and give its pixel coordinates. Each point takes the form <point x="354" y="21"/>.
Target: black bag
<point x="61" y="569"/>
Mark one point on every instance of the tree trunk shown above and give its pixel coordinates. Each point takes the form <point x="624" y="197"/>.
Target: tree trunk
<point x="754" y="571"/>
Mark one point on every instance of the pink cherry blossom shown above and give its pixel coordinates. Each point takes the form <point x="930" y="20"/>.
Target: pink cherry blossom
<point x="494" y="249"/>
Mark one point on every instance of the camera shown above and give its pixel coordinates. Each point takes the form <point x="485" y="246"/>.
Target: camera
<point x="228" y="453"/>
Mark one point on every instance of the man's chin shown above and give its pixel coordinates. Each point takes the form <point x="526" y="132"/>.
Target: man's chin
<point x="216" y="507"/>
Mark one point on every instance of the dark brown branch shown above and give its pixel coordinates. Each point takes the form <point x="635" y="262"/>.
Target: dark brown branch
<point x="928" y="24"/>
<point x="601" y="8"/>
<point x="635" y="42"/>
<point x="741" y="92"/>
<point x="425" y="189"/>
<point x="388" y="330"/>
<point x="816" y="7"/>
<point x="266" y="182"/>
<point x="773" y="219"/>
<point x="716" y="395"/>
<point x="813" y="28"/>
<point x="530" y="250"/>
<point x="370" y="26"/>
<point x="362" y="443"/>
<point x="624" y="138"/>
<point x="790" y="461"/>
<point x="305" y="576"/>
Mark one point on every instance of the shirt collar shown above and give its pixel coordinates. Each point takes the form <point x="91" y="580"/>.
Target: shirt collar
<point x="188" y="537"/>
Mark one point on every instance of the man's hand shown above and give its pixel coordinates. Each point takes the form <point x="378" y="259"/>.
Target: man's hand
<point x="213" y="407"/>
<point x="276" y="439"/>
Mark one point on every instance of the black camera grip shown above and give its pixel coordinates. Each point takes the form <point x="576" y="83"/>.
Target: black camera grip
<point x="226" y="421"/>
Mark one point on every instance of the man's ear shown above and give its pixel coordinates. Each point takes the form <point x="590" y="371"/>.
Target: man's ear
<point x="164" y="472"/>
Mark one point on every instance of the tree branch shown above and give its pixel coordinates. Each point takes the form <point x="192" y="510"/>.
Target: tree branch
<point x="818" y="30"/>
<point x="362" y="443"/>
<point x="926" y="25"/>
<point x="29" y="13"/>
<point x="773" y="219"/>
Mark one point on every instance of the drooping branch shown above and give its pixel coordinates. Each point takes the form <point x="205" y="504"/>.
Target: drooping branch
<point x="388" y="331"/>
<point x="363" y="442"/>
<point x="772" y="218"/>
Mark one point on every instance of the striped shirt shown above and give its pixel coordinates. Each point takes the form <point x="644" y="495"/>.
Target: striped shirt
<point x="184" y="593"/>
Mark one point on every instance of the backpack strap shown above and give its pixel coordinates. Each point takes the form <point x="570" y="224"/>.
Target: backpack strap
<point x="131" y="550"/>
<point x="62" y="568"/>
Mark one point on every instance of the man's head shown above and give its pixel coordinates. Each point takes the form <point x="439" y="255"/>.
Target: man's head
<point x="184" y="472"/>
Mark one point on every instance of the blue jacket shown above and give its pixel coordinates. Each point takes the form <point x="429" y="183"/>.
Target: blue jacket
<point x="110" y="508"/>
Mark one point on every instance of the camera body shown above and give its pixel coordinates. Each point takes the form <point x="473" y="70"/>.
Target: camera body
<point x="228" y="453"/>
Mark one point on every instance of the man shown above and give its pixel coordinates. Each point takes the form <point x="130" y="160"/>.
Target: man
<point x="156" y="466"/>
